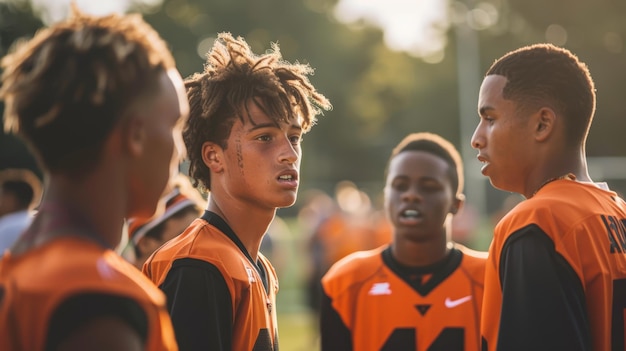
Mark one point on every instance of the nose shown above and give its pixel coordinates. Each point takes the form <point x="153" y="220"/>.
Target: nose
<point x="477" y="141"/>
<point x="289" y="153"/>
<point x="412" y="194"/>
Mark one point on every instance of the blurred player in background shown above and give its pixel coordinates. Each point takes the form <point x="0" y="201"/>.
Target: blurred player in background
<point x="20" y="193"/>
<point x="423" y="291"/>
<point x="180" y="206"/>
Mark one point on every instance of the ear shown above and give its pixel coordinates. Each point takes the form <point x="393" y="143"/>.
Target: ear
<point x="545" y="123"/>
<point x="458" y="203"/>
<point x="134" y="134"/>
<point x="212" y="157"/>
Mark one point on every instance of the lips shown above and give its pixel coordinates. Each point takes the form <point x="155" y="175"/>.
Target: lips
<point x="484" y="161"/>
<point x="410" y="217"/>
<point x="410" y="213"/>
<point x="482" y="158"/>
<point x="288" y="179"/>
<point x="288" y="176"/>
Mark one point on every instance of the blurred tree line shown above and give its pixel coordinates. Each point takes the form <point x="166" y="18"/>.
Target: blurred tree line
<point x="380" y="95"/>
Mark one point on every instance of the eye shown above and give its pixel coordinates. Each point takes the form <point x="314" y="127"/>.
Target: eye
<point x="400" y="185"/>
<point x="264" y="137"/>
<point x="431" y="186"/>
<point x="296" y="139"/>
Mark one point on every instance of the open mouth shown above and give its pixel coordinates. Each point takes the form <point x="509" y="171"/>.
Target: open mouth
<point x="287" y="177"/>
<point x="409" y="214"/>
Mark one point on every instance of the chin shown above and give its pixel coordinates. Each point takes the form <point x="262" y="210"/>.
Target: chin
<point x="501" y="186"/>
<point x="286" y="203"/>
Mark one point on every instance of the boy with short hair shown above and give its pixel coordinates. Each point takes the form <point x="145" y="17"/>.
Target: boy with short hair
<point x="422" y="291"/>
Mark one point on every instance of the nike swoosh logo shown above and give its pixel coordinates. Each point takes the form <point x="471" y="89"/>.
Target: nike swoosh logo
<point x="453" y="303"/>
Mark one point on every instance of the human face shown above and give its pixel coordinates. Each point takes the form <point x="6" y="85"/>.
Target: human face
<point x="262" y="160"/>
<point x="419" y="195"/>
<point x="160" y="125"/>
<point x="502" y="138"/>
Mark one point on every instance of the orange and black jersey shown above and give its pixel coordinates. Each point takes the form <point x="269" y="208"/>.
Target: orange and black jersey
<point x="46" y="294"/>
<point x="218" y="297"/>
<point x="371" y="302"/>
<point x="556" y="274"/>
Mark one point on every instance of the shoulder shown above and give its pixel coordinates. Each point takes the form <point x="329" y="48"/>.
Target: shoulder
<point x="473" y="261"/>
<point x="559" y="207"/>
<point x="355" y="266"/>
<point x="471" y="255"/>
<point x="200" y="241"/>
<point x="75" y="264"/>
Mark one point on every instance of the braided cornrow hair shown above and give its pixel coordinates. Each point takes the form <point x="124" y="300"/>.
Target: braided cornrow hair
<point x="234" y="75"/>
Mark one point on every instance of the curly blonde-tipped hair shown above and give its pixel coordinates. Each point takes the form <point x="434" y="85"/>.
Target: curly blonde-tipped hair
<point x="233" y="76"/>
<point x="68" y="86"/>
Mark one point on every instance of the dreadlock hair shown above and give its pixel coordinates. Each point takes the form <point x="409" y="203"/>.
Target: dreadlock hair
<point x="438" y="146"/>
<point x="68" y="86"/>
<point x="233" y="76"/>
<point x="543" y="74"/>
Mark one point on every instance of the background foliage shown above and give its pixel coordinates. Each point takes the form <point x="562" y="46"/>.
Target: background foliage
<point x="380" y="95"/>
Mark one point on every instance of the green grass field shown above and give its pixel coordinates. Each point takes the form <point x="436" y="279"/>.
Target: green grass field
<point x="297" y="332"/>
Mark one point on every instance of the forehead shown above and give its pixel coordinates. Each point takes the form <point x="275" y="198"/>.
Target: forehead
<point x="491" y="89"/>
<point x="257" y="116"/>
<point x="418" y="164"/>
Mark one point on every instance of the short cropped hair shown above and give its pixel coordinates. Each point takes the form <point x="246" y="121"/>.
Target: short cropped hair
<point x="438" y="146"/>
<point x="233" y="76"/>
<point x="68" y="86"/>
<point x="544" y="74"/>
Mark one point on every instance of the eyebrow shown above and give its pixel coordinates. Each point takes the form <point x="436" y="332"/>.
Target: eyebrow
<point x="425" y="178"/>
<point x="483" y="110"/>
<point x="272" y="125"/>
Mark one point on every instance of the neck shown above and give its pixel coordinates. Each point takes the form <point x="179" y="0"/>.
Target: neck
<point x="249" y="223"/>
<point x="93" y="211"/>
<point x="564" y="166"/>
<point x="420" y="254"/>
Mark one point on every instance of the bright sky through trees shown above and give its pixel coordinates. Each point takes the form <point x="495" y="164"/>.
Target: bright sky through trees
<point x="415" y="26"/>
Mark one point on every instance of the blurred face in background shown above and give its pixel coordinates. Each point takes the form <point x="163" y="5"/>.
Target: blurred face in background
<point x="419" y="196"/>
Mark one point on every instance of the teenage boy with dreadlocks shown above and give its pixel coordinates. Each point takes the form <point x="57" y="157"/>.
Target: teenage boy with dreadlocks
<point x="248" y="114"/>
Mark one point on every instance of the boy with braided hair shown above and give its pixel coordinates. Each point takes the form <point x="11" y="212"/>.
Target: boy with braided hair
<point x="99" y="100"/>
<point x="248" y="114"/>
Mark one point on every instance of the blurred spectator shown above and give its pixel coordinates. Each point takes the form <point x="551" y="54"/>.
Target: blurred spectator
<point x="464" y="225"/>
<point x="177" y="209"/>
<point x="20" y="193"/>
<point x="272" y="245"/>
<point x="345" y="224"/>
<point x="507" y="205"/>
